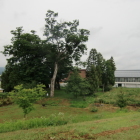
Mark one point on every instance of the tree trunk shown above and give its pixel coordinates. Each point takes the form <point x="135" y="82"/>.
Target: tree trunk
<point x="57" y="86"/>
<point x="53" y="80"/>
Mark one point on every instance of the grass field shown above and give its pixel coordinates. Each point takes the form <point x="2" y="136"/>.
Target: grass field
<point x="66" y="118"/>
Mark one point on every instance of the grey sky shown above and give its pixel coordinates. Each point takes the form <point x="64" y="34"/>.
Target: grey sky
<point x="114" y="24"/>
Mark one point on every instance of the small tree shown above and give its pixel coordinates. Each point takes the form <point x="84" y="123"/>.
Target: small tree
<point x="25" y="98"/>
<point x="121" y="100"/>
<point x="93" y="79"/>
<point x="77" y="85"/>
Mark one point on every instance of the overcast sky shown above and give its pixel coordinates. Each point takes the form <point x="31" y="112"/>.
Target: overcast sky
<point x="114" y="25"/>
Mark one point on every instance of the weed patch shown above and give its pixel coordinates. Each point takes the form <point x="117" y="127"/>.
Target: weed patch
<point x="79" y="104"/>
<point x="53" y="120"/>
<point x="52" y="102"/>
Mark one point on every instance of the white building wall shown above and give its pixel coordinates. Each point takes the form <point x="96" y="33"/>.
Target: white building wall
<point x="128" y="84"/>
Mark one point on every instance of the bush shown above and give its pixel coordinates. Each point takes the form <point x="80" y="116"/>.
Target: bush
<point x="77" y="85"/>
<point x="5" y="101"/>
<point x="93" y="109"/>
<point x="121" y="100"/>
<point x="107" y="88"/>
<point x="4" y="95"/>
<point x="26" y="97"/>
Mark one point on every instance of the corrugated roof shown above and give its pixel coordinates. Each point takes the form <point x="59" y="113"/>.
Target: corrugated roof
<point x="127" y="73"/>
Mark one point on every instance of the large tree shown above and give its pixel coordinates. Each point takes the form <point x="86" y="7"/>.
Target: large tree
<point x="99" y="67"/>
<point x="67" y="41"/>
<point x="93" y="70"/>
<point x="100" y="72"/>
<point x="108" y="77"/>
<point x="27" y="60"/>
<point x="92" y="59"/>
<point x="93" y="79"/>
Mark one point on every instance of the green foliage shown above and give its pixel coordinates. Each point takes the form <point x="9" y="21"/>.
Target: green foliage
<point x="121" y="100"/>
<point x="53" y="120"/>
<point x="67" y="43"/>
<point x="93" y="109"/>
<point x="100" y="72"/>
<point x="5" y="99"/>
<point x="26" y="61"/>
<point x="91" y="71"/>
<point x="93" y="80"/>
<point x="108" y="87"/>
<point x="108" y="77"/>
<point x="77" y="85"/>
<point x="3" y="95"/>
<point x="82" y="103"/>
<point x="79" y="104"/>
<point x="26" y="97"/>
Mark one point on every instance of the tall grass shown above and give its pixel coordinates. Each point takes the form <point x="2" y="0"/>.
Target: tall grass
<point x="131" y="94"/>
<point x="104" y="129"/>
<point x="53" y="120"/>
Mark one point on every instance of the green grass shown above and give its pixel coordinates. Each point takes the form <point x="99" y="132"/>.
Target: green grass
<point x="53" y="120"/>
<point x="131" y="94"/>
<point x="122" y="127"/>
<point x="67" y="118"/>
<point x="62" y="94"/>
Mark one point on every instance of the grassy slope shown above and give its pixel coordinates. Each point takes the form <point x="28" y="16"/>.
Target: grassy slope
<point x="123" y="128"/>
<point x="108" y="123"/>
<point x="131" y="94"/>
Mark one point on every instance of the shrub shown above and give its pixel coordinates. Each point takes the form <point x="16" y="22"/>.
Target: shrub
<point x="26" y="97"/>
<point x="4" y="95"/>
<point x="5" y="101"/>
<point x="107" y="88"/>
<point x="93" y="109"/>
<point x="121" y="100"/>
<point x="77" y="85"/>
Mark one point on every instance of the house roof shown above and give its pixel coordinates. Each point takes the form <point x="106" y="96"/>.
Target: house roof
<point x="127" y="73"/>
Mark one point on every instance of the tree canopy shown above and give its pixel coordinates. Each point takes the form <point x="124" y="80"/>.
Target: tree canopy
<point x="26" y="62"/>
<point x="100" y="72"/>
<point x="32" y="60"/>
<point x="66" y="39"/>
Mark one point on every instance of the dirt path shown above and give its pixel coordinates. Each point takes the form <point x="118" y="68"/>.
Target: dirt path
<point x="95" y="136"/>
<point x="110" y="132"/>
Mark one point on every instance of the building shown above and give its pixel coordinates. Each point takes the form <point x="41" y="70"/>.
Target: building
<point x="123" y="78"/>
<point x="82" y="73"/>
<point x="127" y="78"/>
